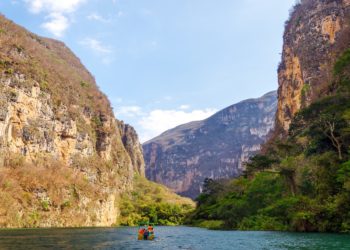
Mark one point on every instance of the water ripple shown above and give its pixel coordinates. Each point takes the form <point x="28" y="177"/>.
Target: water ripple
<point x="184" y="238"/>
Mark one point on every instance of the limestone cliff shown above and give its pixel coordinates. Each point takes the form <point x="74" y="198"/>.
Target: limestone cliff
<point x="183" y="157"/>
<point x="317" y="31"/>
<point x="64" y="158"/>
<point x="133" y="147"/>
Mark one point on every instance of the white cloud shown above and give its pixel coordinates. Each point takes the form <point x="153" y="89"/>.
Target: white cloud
<point x="97" y="17"/>
<point x="57" y="24"/>
<point x="128" y="111"/>
<point x="157" y="121"/>
<point x="50" y="6"/>
<point x="184" y="107"/>
<point x="150" y="124"/>
<point x="56" y="12"/>
<point x="96" y="46"/>
<point x="104" y="52"/>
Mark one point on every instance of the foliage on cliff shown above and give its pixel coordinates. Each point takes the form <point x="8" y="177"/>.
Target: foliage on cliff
<point x="301" y="183"/>
<point x="34" y="194"/>
<point x="53" y="66"/>
<point x="151" y="202"/>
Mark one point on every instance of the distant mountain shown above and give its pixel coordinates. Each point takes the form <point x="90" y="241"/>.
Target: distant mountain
<point x="181" y="158"/>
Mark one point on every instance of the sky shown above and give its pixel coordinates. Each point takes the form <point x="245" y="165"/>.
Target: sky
<point x="163" y="63"/>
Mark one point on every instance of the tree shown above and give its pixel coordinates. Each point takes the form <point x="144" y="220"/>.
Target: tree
<point x="324" y="123"/>
<point x="258" y="163"/>
<point x="329" y="129"/>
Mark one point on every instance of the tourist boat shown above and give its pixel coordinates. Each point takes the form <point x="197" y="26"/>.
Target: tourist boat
<point x="149" y="232"/>
<point x="150" y="237"/>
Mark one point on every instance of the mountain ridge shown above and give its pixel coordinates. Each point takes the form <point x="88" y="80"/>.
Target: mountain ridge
<point x="173" y="157"/>
<point x="199" y="122"/>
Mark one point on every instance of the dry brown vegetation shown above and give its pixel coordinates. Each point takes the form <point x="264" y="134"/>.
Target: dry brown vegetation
<point x="38" y="189"/>
<point x="51" y="65"/>
<point x="46" y="192"/>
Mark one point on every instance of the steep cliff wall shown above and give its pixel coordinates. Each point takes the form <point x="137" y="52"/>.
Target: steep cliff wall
<point x="133" y="147"/>
<point x="183" y="157"/>
<point x="318" y="31"/>
<point x="64" y="157"/>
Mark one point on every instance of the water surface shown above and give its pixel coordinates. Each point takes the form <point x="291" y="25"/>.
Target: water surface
<point x="167" y="238"/>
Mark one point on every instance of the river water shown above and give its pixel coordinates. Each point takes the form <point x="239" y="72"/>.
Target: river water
<point x="167" y="238"/>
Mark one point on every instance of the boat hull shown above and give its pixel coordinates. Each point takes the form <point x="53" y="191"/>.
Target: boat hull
<point x="150" y="237"/>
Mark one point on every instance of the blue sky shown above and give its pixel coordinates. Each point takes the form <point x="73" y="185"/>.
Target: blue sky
<point x="166" y="62"/>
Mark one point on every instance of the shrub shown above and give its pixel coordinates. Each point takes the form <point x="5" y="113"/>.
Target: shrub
<point x="9" y="71"/>
<point x="342" y="62"/>
<point x="45" y="205"/>
<point x="143" y="204"/>
<point x="262" y="223"/>
<point x="210" y="224"/>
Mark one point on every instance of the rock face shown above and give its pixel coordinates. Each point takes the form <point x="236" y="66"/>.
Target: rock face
<point x="318" y="30"/>
<point x="52" y="114"/>
<point x="183" y="157"/>
<point x="133" y="147"/>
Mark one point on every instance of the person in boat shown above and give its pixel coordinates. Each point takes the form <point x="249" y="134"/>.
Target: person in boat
<point x="145" y="233"/>
<point x="142" y="230"/>
<point x="150" y="229"/>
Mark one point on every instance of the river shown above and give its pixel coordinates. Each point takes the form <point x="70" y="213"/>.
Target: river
<point x="167" y="238"/>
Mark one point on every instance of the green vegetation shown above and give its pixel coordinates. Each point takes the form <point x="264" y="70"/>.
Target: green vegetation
<point x="45" y="205"/>
<point x="305" y="89"/>
<point x="300" y="183"/>
<point x="9" y="71"/>
<point x="342" y="63"/>
<point x="44" y="85"/>
<point x="154" y="203"/>
<point x="84" y="84"/>
<point x="210" y="224"/>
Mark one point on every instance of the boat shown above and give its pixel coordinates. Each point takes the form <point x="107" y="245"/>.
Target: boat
<point x="149" y="232"/>
<point x="150" y="237"/>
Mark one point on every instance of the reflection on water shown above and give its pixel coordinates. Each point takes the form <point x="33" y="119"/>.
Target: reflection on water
<point x="167" y="238"/>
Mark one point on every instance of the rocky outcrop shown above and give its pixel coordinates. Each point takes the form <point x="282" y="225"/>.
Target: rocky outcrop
<point x="54" y="122"/>
<point x="183" y="157"/>
<point x="133" y="147"/>
<point x="318" y="30"/>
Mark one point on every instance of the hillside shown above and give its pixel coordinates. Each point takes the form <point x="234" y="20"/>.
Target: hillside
<point x="300" y="182"/>
<point x="64" y="158"/>
<point x="155" y="203"/>
<point x="181" y="158"/>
